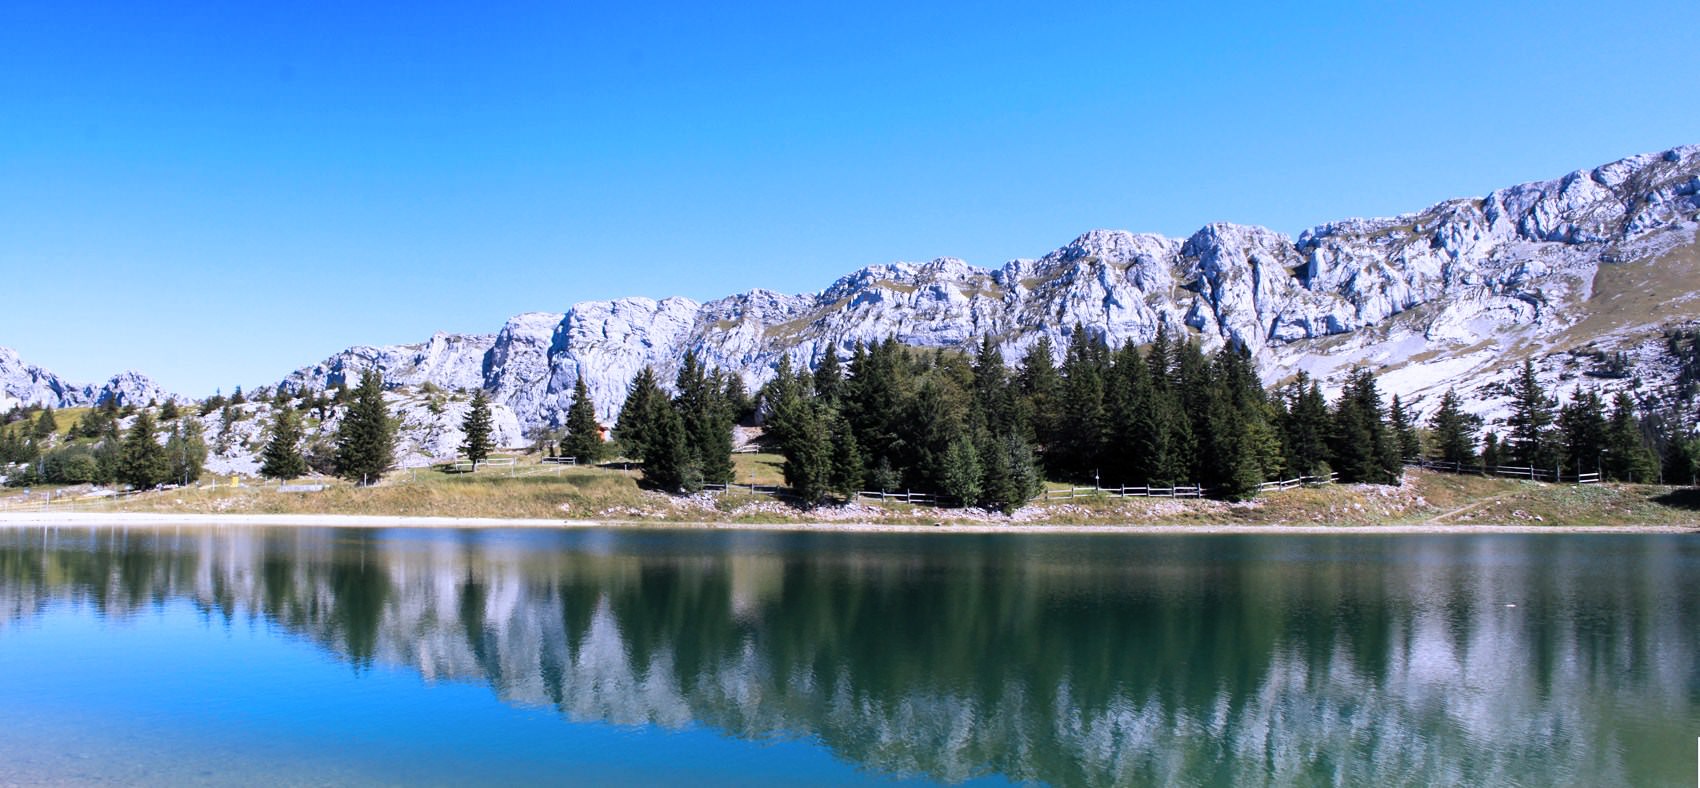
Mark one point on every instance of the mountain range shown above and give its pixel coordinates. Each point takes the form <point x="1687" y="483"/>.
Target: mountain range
<point x="1582" y="274"/>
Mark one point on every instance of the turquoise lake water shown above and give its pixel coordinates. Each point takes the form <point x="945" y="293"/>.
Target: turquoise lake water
<point x="326" y="656"/>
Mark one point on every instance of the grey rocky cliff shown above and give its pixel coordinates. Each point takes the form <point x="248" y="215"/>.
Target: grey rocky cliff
<point x="1444" y="296"/>
<point x="25" y="384"/>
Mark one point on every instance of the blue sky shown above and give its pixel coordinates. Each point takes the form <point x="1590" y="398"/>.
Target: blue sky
<point x="217" y="195"/>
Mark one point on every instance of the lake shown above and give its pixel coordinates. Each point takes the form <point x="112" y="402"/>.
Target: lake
<point x="638" y="656"/>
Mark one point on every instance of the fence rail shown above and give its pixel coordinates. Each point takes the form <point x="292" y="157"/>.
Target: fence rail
<point x="1549" y="475"/>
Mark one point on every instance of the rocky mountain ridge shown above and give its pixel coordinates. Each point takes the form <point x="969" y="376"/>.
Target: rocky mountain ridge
<point x="22" y="383"/>
<point x="1443" y="296"/>
<point x="1568" y="272"/>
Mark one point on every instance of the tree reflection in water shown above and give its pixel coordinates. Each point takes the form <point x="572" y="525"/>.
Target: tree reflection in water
<point x="1071" y="660"/>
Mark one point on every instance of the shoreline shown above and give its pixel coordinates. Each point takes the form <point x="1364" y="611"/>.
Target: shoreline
<point x="149" y="519"/>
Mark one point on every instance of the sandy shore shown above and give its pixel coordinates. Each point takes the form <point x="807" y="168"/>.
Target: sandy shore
<point x="148" y="520"/>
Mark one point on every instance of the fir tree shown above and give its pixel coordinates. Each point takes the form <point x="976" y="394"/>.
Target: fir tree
<point x="187" y="449"/>
<point x="847" y="470"/>
<point x="1404" y="431"/>
<point x="962" y="472"/>
<point x="236" y="397"/>
<point x="281" y="458"/>
<point x="807" y="448"/>
<point x="478" y="429"/>
<point x="46" y="425"/>
<point x="226" y="438"/>
<point x="1454" y="431"/>
<point x="1530" y="440"/>
<point x="1041" y="386"/>
<point x="829" y="376"/>
<point x="1492" y="455"/>
<point x="1305" y="428"/>
<point x="1582" y="423"/>
<point x="1627" y="458"/>
<point x="668" y="463"/>
<point x="707" y="422"/>
<point x="143" y="463"/>
<point x="365" y="440"/>
<point x="635" y="429"/>
<point x="168" y="411"/>
<point x="584" y="432"/>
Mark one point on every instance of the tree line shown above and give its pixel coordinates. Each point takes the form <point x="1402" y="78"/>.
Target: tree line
<point x="971" y="428"/>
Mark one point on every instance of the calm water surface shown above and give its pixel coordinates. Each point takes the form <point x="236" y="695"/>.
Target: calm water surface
<point x="219" y="656"/>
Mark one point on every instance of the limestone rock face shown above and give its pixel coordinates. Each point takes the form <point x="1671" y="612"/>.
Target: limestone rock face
<point x="23" y="384"/>
<point x="1426" y="295"/>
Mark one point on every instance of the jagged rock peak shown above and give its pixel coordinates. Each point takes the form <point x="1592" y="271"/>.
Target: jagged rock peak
<point x="1507" y="263"/>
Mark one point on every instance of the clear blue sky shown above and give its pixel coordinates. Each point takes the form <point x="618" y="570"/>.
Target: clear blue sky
<point x="216" y="195"/>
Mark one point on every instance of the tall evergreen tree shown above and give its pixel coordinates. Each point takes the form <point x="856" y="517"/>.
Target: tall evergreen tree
<point x="1363" y="447"/>
<point x="1041" y="387"/>
<point x="807" y="448"/>
<point x="635" y="429"/>
<point x="281" y="458"/>
<point x="1627" y="457"/>
<point x="1493" y="455"/>
<point x="1582" y="423"/>
<point x="365" y="440"/>
<point x="1404" y="430"/>
<point x="143" y="463"/>
<point x="707" y="422"/>
<point x="962" y="471"/>
<point x="1530" y="441"/>
<point x="584" y="432"/>
<point x="829" y="376"/>
<point x="478" y="428"/>
<point x="187" y="449"/>
<point x="1305" y="428"/>
<point x="1454" y="430"/>
<point x="46" y="425"/>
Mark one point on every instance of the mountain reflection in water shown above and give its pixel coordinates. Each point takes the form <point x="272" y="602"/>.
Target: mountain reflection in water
<point x="1066" y="659"/>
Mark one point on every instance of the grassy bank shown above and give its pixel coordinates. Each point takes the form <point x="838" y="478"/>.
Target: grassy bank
<point x="530" y="490"/>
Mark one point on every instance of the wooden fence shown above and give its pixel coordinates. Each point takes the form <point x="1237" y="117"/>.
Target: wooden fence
<point x="1299" y="481"/>
<point x="1549" y="475"/>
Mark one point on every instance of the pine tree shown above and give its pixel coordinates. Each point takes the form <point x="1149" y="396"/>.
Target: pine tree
<point x="1364" y="448"/>
<point x="1041" y="387"/>
<point x="584" y="432"/>
<point x="226" y="439"/>
<point x="1530" y="441"/>
<point x="168" y="411"/>
<point x="143" y="463"/>
<point x="1627" y="458"/>
<point x="962" y="472"/>
<point x="1404" y="431"/>
<point x="1582" y="423"/>
<point x="1454" y="431"/>
<point x="635" y="429"/>
<point x="478" y="428"/>
<point x="365" y="440"/>
<point x="668" y="463"/>
<point x="1492" y="455"/>
<point x="829" y="376"/>
<point x="847" y="465"/>
<point x="707" y="422"/>
<point x="187" y="449"/>
<point x="281" y="458"/>
<point x="807" y="448"/>
<point x="1305" y="428"/>
<point x="1082" y="426"/>
<point x="47" y="425"/>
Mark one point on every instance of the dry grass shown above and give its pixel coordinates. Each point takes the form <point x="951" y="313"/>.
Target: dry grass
<point x="550" y="492"/>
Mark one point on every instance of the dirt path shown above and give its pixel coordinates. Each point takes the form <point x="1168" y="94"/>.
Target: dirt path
<point x="1439" y="519"/>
